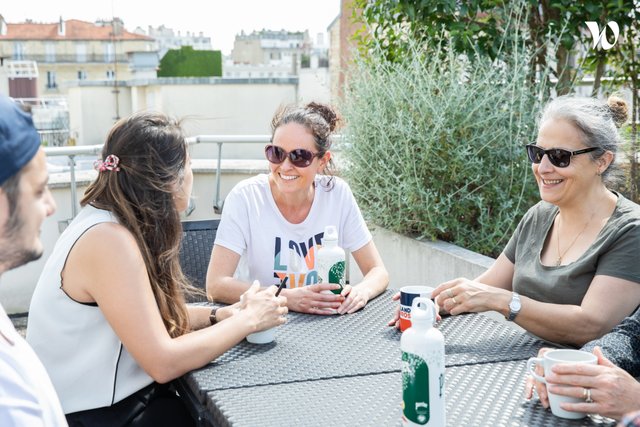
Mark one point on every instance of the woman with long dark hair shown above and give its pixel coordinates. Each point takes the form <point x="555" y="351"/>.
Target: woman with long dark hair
<point x="108" y="318"/>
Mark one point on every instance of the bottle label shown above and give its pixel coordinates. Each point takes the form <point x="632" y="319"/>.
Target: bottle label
<point x="415" y="389"/>
<point x="336" y="275"/>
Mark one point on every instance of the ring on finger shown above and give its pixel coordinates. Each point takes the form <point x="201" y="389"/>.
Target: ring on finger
<point x="454" y="300"/>
<point x="450" y="293"/>
<point x="587" y="392"/>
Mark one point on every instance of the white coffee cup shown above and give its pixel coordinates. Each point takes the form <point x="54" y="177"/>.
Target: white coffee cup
<point x="262" y="337"/>
<point x="555" y="357"/>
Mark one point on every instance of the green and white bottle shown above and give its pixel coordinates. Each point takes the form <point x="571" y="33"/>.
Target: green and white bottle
<point x="330" y="259"/>
<point x="422" y="348"/>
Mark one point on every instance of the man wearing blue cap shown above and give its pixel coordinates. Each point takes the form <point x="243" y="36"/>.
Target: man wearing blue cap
<point x="27" y="397"/>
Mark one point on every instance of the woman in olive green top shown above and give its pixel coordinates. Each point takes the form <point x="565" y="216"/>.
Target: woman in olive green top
<point x="571" y="271"/>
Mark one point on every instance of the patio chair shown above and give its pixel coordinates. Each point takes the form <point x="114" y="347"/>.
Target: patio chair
<point x="195" y="252"/>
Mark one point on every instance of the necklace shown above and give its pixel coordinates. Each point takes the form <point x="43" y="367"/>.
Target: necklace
<point x="560" y="255"/>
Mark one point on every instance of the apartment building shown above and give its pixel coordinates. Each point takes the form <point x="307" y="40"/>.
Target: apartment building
<point x="72" y="51"/>
<point x="267" y="47"/>
<point x="167" y="39"/>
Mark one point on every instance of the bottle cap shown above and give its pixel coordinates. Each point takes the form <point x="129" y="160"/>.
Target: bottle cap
<point x="423" y="312"/>
<point x="330" y="233"/>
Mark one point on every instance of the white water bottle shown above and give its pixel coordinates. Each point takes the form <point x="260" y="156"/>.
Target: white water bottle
<point x="330" y="259"/>
<point x="422" y="348"/>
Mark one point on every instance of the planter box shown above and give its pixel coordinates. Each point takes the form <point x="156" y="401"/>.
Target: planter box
<point x="411" y="261"/>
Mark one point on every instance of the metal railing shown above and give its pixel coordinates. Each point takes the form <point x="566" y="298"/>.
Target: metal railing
<point x="72" y="152"/>
<point x="218" y="203"/>
<point x="100" y="58"/>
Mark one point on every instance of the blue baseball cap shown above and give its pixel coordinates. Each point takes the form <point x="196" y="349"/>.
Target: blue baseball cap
<point x="19" y="139"/>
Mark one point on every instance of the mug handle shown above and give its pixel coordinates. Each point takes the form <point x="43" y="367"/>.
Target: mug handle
<point x="531" y="368"/>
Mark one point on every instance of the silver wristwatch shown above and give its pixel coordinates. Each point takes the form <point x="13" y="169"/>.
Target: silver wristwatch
<point x="514" y="307"/>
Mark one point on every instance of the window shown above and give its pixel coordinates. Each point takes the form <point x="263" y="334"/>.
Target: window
<point x="108" y="52"/>
<point x="81" y="52"/>
<point x="111" y="75"/>
<point x="82" y="75"/>
<point x="51" y="80"/>
<point x="18" y="51"/>
<point x="49" y="52"/>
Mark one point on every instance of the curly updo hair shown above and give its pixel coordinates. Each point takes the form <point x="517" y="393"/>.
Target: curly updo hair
<point x="320" y="119"/>
<point x="596" y="120"/>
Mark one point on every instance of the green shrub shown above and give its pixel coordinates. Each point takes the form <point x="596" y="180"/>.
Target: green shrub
<point x="435" y="145"/>
<point x="187" y="62"/>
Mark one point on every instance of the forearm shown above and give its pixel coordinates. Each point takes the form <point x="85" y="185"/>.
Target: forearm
<point x="193" y="350"/>
<point x="200" y="316"/>
<point x="558" y="323"/>
<point x="226" y="289"/>
<point x="375" y="281"/>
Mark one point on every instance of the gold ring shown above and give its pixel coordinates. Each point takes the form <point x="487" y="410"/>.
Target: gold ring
<point x="454" y="300"/>
<point x="588" y="398"/>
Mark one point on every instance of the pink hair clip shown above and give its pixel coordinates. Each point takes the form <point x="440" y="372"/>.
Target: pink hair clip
<point x="110" y="163"/>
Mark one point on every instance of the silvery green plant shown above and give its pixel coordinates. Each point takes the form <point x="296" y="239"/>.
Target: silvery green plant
<point x="434" y="143"/>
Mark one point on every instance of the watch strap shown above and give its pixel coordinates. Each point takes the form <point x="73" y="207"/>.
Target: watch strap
<point x="212" y="316"/>
<point x="515" y="302"/>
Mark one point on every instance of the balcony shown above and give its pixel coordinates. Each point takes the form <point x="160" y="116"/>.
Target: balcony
<point x="89" y="58"/>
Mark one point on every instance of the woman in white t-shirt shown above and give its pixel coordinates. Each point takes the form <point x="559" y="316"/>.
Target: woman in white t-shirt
<point x="275" y="222"/>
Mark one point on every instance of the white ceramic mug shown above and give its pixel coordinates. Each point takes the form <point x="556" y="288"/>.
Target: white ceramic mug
<point x="555" y="357"/>
<point x="262" y="337"/>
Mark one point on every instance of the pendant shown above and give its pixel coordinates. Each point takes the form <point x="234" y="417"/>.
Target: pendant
<point x="559" y="262"/>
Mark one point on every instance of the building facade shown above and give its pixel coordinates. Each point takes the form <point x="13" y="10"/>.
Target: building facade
<point x="167" y="39"/>
<point x="72" y="51"/>
<point x="275" y="48"/>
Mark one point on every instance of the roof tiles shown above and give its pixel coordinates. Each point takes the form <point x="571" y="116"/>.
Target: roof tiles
<point x="74" y="30"/>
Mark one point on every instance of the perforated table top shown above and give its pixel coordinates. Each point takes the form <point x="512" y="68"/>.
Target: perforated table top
<point x="345" y="370"/>
<point x="313" y="347"/>
<point x="489" y="394"/>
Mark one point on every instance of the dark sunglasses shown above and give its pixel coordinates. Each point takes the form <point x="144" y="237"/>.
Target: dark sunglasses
<point x="557" y="156"/>
<point x="299" y="157"/>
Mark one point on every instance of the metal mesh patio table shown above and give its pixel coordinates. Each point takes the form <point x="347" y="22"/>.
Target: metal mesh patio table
<point x="316" y="359"/>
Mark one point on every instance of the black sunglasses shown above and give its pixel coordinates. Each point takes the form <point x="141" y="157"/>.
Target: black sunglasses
<point x="557" y="156"/>
<point x="299" y="157"/>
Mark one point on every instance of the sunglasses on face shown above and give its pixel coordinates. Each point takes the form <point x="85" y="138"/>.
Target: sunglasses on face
<point x="299" y="157"/>
<point x="557" y="156"/>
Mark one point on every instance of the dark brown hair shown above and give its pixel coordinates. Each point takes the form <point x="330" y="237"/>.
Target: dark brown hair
<point x="321" y="120"/>
<point x="153" y="154"/>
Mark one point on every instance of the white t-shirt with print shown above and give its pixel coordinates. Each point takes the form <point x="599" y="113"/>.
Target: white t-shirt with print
<point x="272" y="247"/>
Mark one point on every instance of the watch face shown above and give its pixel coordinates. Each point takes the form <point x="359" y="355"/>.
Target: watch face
<point x="515" y="305"/>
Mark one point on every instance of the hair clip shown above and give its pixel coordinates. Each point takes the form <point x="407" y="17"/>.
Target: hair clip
<point x="110" y="163"/>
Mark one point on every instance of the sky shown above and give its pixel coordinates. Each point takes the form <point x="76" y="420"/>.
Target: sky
<point x="219" y="19"/>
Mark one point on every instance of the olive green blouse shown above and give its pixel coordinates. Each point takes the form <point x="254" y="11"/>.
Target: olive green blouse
<point x="615" y="252"/>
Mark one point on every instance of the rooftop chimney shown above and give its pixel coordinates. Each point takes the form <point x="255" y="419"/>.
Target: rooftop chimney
<point x="61" y="27"/>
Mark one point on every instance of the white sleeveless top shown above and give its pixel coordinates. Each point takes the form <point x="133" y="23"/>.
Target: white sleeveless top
<point x="87" y="363"/>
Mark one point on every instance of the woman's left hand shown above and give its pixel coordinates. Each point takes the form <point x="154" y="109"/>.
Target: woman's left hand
<point x="613" y="391"/>
<point x="356" y="297"/>
<point x="467" y="296"/>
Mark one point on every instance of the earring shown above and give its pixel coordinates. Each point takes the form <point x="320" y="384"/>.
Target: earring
<point x="598" y="172"/>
